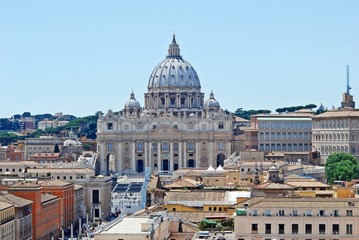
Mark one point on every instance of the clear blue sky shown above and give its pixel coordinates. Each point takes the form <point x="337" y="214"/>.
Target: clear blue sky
<point x="78" y="57"/>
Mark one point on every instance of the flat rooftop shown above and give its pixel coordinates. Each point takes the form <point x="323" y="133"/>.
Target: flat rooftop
<point x="129" y="225"/>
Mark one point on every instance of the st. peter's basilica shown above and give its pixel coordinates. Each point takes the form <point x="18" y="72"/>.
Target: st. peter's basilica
<point x="176" y="128"/>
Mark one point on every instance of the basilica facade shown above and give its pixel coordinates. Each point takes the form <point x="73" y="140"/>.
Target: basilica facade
<point x="176" y="128"/>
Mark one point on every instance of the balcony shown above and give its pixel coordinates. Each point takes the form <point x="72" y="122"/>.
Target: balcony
<point x="335" y="232"/>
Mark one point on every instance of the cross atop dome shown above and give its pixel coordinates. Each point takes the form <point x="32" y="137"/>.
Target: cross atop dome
<point x="173" y="50"/>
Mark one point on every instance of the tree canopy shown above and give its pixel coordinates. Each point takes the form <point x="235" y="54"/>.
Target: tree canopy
<point x="246" y="114"/>
<point x="341" y="167"/>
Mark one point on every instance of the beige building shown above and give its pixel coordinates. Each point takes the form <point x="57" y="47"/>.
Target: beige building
<point x="22" y="214"/>
<point x="287" y="132"/>
<point x="337" y="130"/>
<point x="297" y="218"/>
<point x="176" y="128"/>
<point x="43" y="144"/>
<point x="8" y="221"/>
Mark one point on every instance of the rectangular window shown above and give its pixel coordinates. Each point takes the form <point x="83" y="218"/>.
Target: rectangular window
<point x="268" y="228"/>
<point x="350" y="213"/>
<point x="140" y="147"/>
<point x="254" y="228"/>
<point x="295" y="228"/>
<point x="349" y="228"/>
<point x="221" y="146"/>
<point x="281" y="228"/>
<point x="267" y="213"/>
<point x="321" y="228"/>
<point x="308" y="213"/>
<point x="255" y="213"/>
<point x="95" y="196"/>
<point x="308" y="228"/>
<point x="175" y="147"/>
<point x="191" y="146"/>
<point x="295" y="213"/>
<point x="281" y="213"/>
<point x="165" y="147"/>
<point x="335" y="229"/>
<point x="220" y="125"/>
<point x="109" y="147"/>
<point x="321" y="213"/>
<point x="127" y="127"/>
<point x="109" y="126"/>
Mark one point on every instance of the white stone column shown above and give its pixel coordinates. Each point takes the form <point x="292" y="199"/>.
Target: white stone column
<point x="150" y="164"/>
<point x="185" y="153"/>
<point x="171" y="157"/>
<point x="198" y="157"/>
<point x="180" y="160"/>
<point x="133" y="162"/>
<point x="146" y="154"/>
<point x="118" y="158"/>
<point x="159" y="163"/>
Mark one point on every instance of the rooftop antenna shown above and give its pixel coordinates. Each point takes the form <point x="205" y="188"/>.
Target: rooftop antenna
<point x="348" y="86"/>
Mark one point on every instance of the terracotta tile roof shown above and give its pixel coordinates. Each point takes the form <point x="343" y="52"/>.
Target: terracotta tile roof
<point x="25" y="184"/>
<point x="269" y="186"/>
<point x="309" y="203"/>
<point x="346" y="113"/>
<point x="182" y="183"/>
<point x="54" y="183"/>
<point x="15" y="200"/>
<point x="195" y="196"/>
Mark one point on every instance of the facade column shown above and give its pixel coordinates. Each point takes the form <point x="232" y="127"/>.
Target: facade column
<point x="150" y="164"/>
<point x="118" y="158"/>
<point x="185" y="153"/>
<point x="198" y="157"/>
<point x="211" y="159"/>
<point x="180" y="160"/>
<point x="228" y="149"/>
<point x="103" y="162"/>
<point x="171" y="156"/>
<point x="133" y="162"/>
<point x="159" y="163"/>
<point x="178" y="100"/>
<point x="189" y="100"/>
<point x="146" y="153"/>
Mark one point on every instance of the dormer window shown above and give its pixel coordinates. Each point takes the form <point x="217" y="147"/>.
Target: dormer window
<point x="109" y="126"/>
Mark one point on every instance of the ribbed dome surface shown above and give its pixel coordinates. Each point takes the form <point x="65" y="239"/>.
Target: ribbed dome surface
<point x="174" y="72"/>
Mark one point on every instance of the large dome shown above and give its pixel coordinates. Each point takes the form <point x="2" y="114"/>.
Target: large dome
<point x="174" y="72"/>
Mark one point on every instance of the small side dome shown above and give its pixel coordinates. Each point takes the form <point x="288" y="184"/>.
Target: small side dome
<point x="71" y="142"/>
<point x="132" y="103"/>
<point x="211" y="103"/>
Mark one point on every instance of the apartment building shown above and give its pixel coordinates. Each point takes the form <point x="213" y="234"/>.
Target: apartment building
<point x="297" y="218"/>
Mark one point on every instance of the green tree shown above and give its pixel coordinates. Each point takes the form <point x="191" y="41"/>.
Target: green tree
<point x="341" y="166"/>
